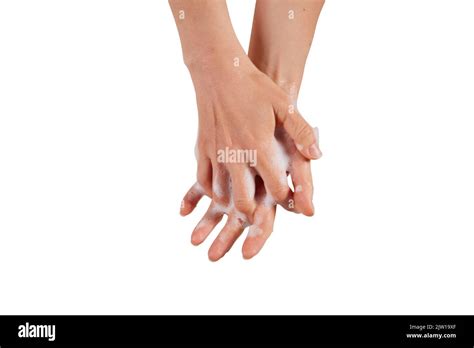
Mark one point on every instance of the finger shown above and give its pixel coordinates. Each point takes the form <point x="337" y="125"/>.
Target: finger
<point x="260" y="231"/>
<point x="208" y="222"/>
<point x="272" y="167"/>
<point x="278" y="188"/>
<point x="220" y="184"/>
<point x="226" y="238"/>
<point x="304" y="137"/>
<point x="204" y="175"/>
<point x="243" y="190"/>
<point x="191" y="199"/>
<point x="302" y="182"/>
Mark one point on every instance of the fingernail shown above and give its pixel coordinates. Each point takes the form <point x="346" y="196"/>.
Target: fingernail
<point x="314" y="151"/>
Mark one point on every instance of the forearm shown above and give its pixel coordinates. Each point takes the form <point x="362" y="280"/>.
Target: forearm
<point x="282" y="34"/>
<point x="206" y="33"/>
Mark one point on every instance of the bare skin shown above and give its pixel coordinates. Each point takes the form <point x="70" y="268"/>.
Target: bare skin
<point x="224" y="77"/>
<point x="282" y="34"/>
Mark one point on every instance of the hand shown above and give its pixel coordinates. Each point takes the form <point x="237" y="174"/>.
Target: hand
<point x="239" y="110"/>
<point x="217" y="179"/>
<point x="265" y="211"/>
<point x="259" y="232"/>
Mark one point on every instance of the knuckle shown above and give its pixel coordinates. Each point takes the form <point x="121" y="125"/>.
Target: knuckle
<point x="244" y="205"/>
<point x="280" y="193"/>
<point x="303" y="131"/>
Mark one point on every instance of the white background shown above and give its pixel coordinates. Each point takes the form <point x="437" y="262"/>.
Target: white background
<point x="97" y="130"/>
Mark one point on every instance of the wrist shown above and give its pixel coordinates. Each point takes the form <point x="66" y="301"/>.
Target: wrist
<point x="284" y="73"/>
<point x="206" y="32"/>
<point x="214" y="57"/>
<point x="219" y="67"/>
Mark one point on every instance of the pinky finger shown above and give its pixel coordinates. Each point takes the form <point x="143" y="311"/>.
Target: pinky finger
<point x="191" y="199"/>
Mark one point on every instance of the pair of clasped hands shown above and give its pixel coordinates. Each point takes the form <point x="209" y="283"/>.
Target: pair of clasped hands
<point x="248" y="102"/>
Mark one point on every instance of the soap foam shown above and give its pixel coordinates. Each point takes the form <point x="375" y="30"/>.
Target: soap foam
<point x="229" y="210"/>
<point x="197" y="188"/>
<point x="280" y="160"/>
<point x="249" y="182"/>
<point x="219" y="208"/>
<point x="217" y="188"/>
<point x="316" y="134"/>
<point x="196" y="152"/>
<point x="268" y="200"/>
<point x="254" y="231"/>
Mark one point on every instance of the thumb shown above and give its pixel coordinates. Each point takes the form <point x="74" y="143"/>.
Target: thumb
<point x="303" y="135"/>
